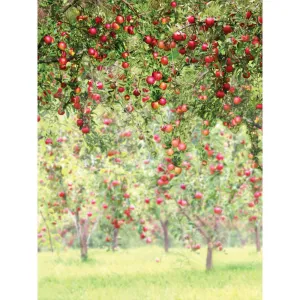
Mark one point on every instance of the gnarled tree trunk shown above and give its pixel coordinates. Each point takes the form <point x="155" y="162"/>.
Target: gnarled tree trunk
<point x="164" y="225"/>
<point x="209" y="263"/>
<point x="257" y="238"/>
<point x="115" y="239"/>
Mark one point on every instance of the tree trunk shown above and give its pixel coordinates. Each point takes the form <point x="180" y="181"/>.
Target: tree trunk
<point x="257" y="239"/>
<point x="209" y="256"/>
<point x="242" y="240"/>
<point x="164" y="226"/>
<point x="84" y="236"/>
<point x="115" y="239"/>
<point x="82" y="231"/>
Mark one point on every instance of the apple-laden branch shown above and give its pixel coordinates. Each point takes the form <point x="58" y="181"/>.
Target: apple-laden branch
<point x="51" y="60"/>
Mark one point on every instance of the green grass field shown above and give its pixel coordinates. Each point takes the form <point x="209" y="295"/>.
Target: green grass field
<point x="135" y="275"/>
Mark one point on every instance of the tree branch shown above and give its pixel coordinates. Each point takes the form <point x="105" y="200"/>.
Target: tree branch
<point x="253" y="123"/>
<point x="69" y="6"/>
<point x="50" y="60"/>
<point x="198" y="227"/>
<point x="47" y="231"/>
<point x="93" y="229"/>
<point x="131" y="7"/>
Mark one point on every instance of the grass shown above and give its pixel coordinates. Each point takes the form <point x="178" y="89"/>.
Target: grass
<point x="135" y="275"/>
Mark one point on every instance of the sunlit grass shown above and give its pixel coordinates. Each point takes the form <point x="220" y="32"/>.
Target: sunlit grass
<point x="135" y="275"/>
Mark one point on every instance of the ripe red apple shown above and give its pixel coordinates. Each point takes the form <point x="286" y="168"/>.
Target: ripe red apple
<point x="91" y="51"/>
<point x="157" y="75"/>
<point x="48" y="39"/>
<point x="229" y="69"/>
<point x="92" y="31"/>
<point x="183" y="186"/>
<point x="62" y="46"/>
<point x="179" y="36"/>
<point x="204" y="47"/>
<point x="226" y="107"/>
<point x="125" y="64"/>
<point x="219" y="156"/>
<point x="62" y="194"/>
<point x="247" y="173"/>
<point x="227" y="29"/>
<point x="150" y="80"/>
<point x="164" y="60"/>
<point x="103" y="38"/>
<point x="159" y="201"/>
<point x="257" y="194"/>
<point x="79" y="122"/>
<point x="205" y="132"/>
<point x="85" y="129"/>
<point x="130" y="30"/>
<point x="209" y="22"/>
<point x="120" y="19"/>
<point x="182" y="147"/>
<point x="218" y="210"/>
<point x="226" y="86"/>
<point x="192" y="45"/>
<point x="191" y="19"/>
<point x="220" y="94"/>
<point x="259" y="20"/>
<point x="162" y="101"/>
<point x="198" y="195"/>
<point x="148" y="39"/>
<point x="219" y="167"/>
<point x="248" y="14"/>
<point x="237" y="100"/>
<point x="98" y="20"/>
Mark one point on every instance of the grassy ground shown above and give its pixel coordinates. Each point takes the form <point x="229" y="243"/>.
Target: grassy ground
<point x="135" y="275"/>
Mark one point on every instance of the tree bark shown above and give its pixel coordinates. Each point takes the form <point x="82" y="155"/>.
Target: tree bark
<point x="164" y="226"/>
<point x="209" y="263"/>
<point x="257" y="239"/>
<point x="115" y="239"/>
